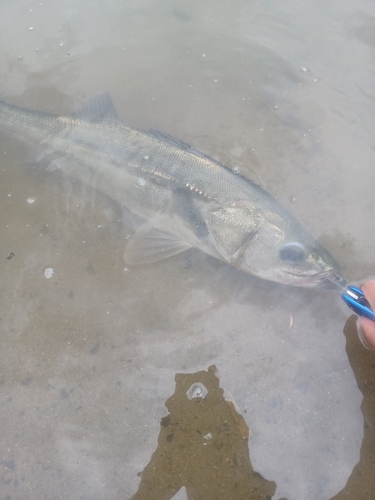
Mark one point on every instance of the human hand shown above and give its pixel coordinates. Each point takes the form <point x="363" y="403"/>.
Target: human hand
<point x="366" y="325"/>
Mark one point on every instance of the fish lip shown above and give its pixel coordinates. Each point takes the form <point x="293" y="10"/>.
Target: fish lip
<point x="326" y="280"/>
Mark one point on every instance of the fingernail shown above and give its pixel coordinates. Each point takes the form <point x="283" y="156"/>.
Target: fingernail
<point x="361" y="335"/>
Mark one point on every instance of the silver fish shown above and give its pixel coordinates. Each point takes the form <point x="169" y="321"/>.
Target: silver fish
<point x="185" y="198"/>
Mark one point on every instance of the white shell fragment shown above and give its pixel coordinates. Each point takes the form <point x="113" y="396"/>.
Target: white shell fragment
<point x="48" y="272"/>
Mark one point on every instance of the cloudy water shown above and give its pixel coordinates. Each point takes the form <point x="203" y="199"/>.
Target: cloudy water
<point x="99" y="359"/>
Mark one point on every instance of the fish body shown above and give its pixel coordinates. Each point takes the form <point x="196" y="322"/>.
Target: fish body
<point x="185" y="198"/>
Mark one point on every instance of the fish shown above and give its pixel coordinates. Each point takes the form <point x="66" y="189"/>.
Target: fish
<point x="182" y="197"/>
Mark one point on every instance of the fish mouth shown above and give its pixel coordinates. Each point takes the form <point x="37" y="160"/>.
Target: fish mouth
<point x="327" y="280"/>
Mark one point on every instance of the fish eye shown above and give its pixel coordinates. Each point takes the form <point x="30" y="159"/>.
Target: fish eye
<point x="292" y="253"/>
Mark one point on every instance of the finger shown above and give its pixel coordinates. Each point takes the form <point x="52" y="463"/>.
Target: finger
<point x="368" y="331"/>
<point x="369" y="291"/>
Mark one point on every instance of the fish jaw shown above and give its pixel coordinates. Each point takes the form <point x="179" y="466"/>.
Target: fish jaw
<point x="317" y="281"/>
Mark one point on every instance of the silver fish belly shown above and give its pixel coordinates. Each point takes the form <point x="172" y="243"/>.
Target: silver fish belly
<point x="185" y="198"/>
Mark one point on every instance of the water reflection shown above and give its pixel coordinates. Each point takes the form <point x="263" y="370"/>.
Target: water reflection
<point x="361" y="483"/>
<point x="203" y="441"/>
<point x="202" y="446"/>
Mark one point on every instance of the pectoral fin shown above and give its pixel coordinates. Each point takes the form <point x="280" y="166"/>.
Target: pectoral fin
<point x="149" y="244"/>
<point x="231" y="227"/>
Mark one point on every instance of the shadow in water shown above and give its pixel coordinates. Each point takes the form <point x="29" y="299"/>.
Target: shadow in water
<point x="361" y="483"/>
<point x="202" y="446"/>
<point x="203" y="441"/>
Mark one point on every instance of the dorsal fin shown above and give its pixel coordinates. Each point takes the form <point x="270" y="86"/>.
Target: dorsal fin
<point x="99" y="108"/>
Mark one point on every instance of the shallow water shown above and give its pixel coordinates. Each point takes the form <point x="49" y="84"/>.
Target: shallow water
<point x="281" y="91"/>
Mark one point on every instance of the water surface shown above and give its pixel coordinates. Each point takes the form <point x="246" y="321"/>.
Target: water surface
<point x="284" y="93"/>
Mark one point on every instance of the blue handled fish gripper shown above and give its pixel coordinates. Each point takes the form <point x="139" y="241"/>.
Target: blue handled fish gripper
<point x="356" y="300"/>
<point x="353" y="297"/>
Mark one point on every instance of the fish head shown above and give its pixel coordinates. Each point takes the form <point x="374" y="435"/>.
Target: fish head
<point x="272" y="245"/>
<point x="294" y="259"/>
